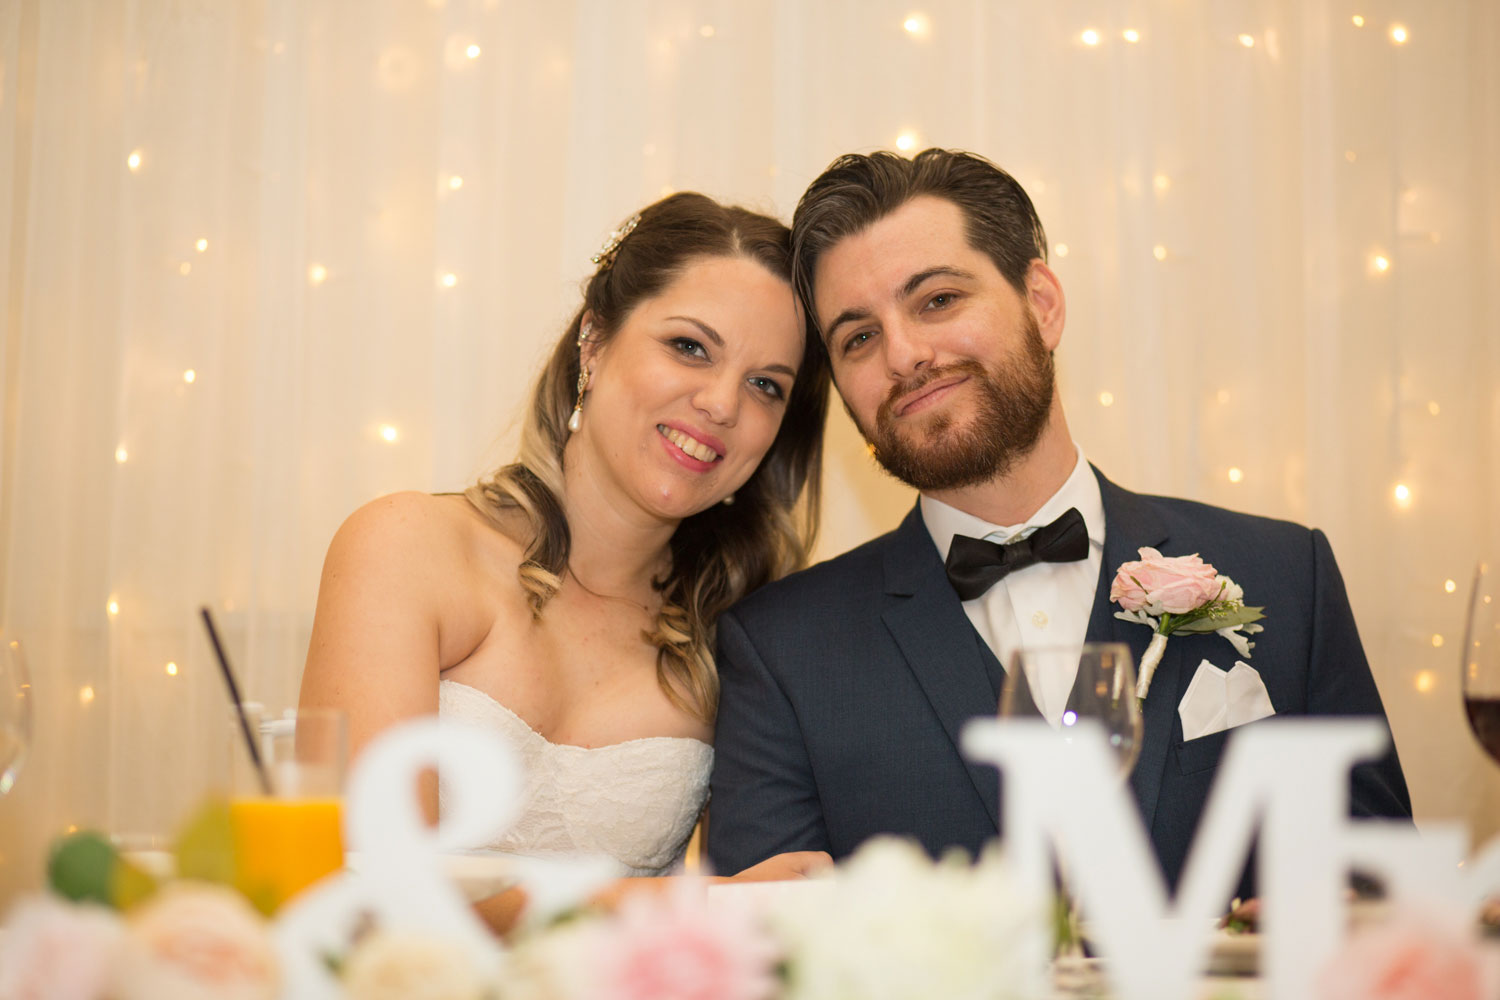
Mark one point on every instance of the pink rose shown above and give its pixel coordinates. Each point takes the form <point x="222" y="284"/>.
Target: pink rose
<point x="674" y="945"/>
<point x="1158" y="583"/>
<point x="58" y="950"/>
<point x="195" y="941"/>
<point x="1409" y="957"/>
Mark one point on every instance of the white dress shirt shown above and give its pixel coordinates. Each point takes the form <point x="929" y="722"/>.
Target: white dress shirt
<point x="1046" y="604"/>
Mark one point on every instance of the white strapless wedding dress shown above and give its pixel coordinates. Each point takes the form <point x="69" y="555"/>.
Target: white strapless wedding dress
<point x="635" y="802"/>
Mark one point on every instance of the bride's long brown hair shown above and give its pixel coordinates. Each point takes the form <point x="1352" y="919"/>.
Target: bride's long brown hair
<point x="720" y="554"/>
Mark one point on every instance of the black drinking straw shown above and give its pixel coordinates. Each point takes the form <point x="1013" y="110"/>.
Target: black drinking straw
<point x="234" y="699"/>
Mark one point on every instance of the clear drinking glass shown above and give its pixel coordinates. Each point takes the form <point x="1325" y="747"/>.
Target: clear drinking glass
<point x="292" y="836"/>
<point x="15" y="713"/>
<point x="1103" y="690"/>
<point x="1480" y="663"/>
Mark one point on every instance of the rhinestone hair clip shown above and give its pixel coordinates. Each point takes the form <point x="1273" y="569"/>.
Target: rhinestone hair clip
<point x="606" y="254"/>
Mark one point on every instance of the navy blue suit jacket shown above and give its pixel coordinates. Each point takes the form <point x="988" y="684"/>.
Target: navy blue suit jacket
<point x="845" y="688"/>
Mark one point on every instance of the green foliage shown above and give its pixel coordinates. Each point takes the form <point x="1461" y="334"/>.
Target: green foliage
<point x="1212" y="617"/>
<point x="205" y="847"/>
<point x="86" y="868"/>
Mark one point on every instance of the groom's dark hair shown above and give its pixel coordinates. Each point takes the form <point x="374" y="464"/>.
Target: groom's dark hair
<point x="858" y="190"/>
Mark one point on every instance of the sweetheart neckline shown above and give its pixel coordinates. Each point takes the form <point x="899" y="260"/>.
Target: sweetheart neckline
<point x="570" y="746"/>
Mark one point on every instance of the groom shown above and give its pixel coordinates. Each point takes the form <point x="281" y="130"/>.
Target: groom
<point x="845" y="687"/>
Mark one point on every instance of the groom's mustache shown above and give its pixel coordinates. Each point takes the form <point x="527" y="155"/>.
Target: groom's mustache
<point x="920" y="381"/>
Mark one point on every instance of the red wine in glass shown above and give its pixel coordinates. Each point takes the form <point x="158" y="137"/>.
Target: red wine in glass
<point x="1481" y="659"/>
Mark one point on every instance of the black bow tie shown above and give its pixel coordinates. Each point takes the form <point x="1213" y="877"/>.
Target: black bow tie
<point x="975" y="565"/>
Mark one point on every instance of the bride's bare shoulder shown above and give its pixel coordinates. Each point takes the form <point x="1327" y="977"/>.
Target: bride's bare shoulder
<point x="410" y="533"/>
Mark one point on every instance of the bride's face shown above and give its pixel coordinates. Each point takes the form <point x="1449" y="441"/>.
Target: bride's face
<point x="687" y="396"/>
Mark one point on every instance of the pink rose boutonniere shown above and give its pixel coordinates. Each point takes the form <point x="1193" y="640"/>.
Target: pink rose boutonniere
<point x="1180" y="594"/>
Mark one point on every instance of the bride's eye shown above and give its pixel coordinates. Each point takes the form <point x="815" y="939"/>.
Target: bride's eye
<point x="769" y="386"/>
<point x="689" y="346"/>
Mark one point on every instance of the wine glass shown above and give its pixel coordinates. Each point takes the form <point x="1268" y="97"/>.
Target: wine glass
<point x="15" y="713"/>
<point x="1481" y="659"/>
<point x="1102" y="689"/>
<point x="1066" y="685"/>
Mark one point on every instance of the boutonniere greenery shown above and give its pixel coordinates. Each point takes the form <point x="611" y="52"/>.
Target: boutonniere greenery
<point x="1172" y="594"/>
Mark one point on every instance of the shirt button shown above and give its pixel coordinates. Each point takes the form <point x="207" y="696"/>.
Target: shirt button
<point x="1039" y="619"/>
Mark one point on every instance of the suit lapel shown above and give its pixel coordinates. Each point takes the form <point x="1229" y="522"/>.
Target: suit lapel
<point x="938" y="641"/>
<point x="1130" y="523"/>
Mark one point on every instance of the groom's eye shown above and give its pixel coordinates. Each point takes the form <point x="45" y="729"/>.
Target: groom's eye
<point x="942" y="300"/>
<point x="858" y="340"/>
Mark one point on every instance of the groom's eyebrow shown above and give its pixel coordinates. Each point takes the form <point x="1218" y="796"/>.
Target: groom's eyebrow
<point x="910" y="286"/>
<point x="942" y="270"/>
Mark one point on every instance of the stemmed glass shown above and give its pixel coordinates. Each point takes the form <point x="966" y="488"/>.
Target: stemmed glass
<point x="1103" y="689"/>
<point x="15" y="713"/>
<point x="1481" y="659"/>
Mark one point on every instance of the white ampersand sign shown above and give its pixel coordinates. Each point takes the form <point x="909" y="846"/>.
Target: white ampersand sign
<point x="401" y="882"/>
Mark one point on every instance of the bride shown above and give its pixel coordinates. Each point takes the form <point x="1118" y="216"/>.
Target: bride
<point x="668" y="465"/>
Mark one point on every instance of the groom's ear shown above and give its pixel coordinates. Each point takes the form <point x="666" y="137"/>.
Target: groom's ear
<point x="1044" y="294"/>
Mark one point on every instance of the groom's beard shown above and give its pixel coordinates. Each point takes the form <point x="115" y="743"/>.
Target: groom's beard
<point x="1012" y="410"/>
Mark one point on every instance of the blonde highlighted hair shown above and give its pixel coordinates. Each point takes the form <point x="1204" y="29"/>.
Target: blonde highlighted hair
<point x="720" y="554"/>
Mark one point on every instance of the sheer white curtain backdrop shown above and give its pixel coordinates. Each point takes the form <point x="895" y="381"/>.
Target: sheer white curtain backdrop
<point x="262" y="261"/>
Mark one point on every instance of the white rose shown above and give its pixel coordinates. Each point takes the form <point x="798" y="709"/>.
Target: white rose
<point x="399" y="966"/>
<point x="901" y="927"/>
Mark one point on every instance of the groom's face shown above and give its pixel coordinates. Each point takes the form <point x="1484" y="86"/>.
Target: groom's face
<point x="939" y="359"/>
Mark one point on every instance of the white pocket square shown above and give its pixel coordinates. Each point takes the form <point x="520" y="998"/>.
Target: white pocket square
<point x="1222" y="699"/>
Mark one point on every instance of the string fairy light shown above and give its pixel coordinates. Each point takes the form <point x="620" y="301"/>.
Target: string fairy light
<point x="316" y="274"/>
<point x="472" y="52"/>
<point x="190" y="376"/>
<point x="113" y="607"/>
<point x="201" y="246"/>
<point x="1248" y="41"/>
<point x="1433" y="407"/>
<point x="1159" y="252"/>
<point x="1061" y="250"/>
<point x="906" y="141"/>
<point x="1402" y="495"/>
<point x="121" y="455"/>
<point x="389" y="433"/>
<point x="184" y="269"/>
<point x="1359" y="21"/>
<point x="1131" y="35"/>
<point x="1090" y="37"/>
<point x="171" y="669"/>
<point x="1106" y="398"/>
<point x="707" y="31"/>
<point x="134" y="160"/>
<point x="1380" y="263"/>
<point x="448" y="280"/>
<point x="1236" y="474"/>
<point x="917" y="25"/>
<point x="1398" y="34"/>
<point x="455" y="182"/>
<point x="85" y="696"/>
<point x="1425" y="681"/>
<point x="1437" y="641"/>
<point x="1449" y="586"/>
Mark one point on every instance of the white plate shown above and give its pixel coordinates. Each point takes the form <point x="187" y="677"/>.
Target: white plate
<point x="1234" y="955"/>
<point x="477" y="874"/>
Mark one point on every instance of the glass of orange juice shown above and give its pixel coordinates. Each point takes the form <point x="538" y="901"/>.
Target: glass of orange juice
<point x="288" y="839"/>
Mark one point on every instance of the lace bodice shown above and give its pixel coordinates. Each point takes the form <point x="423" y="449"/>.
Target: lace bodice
<point x="635" y="801"/>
